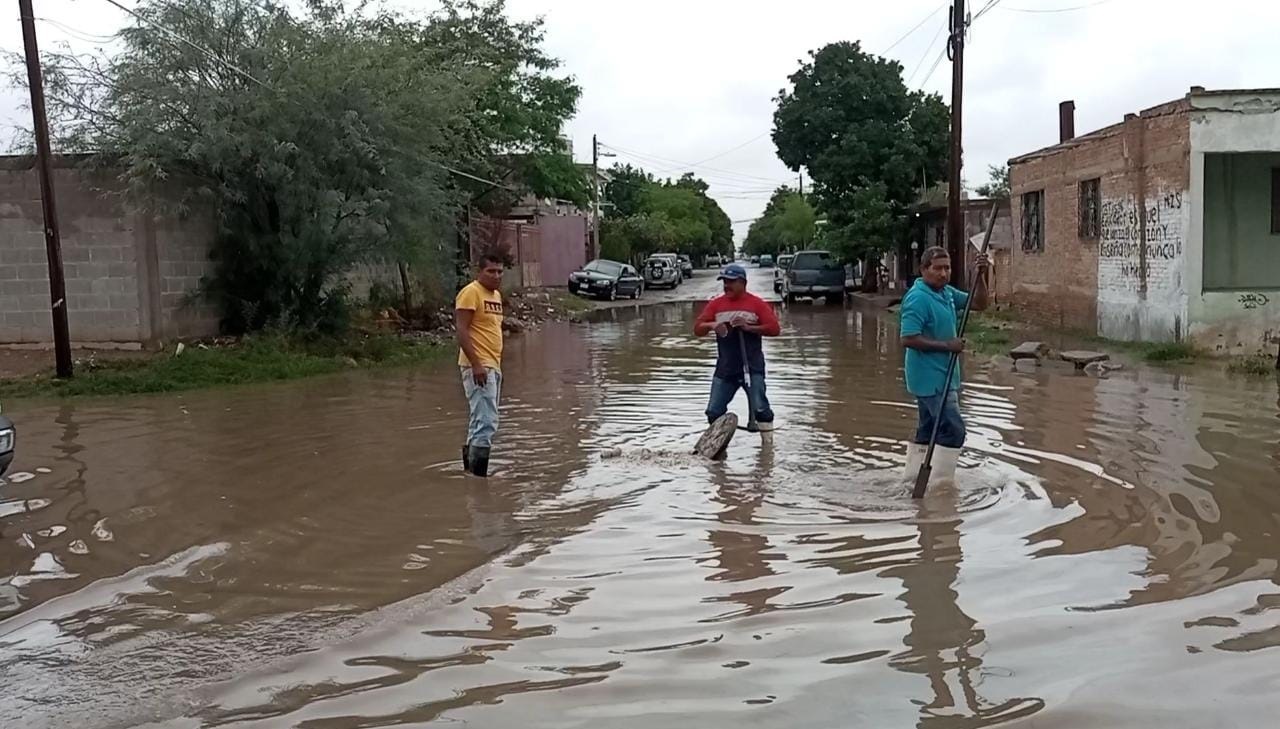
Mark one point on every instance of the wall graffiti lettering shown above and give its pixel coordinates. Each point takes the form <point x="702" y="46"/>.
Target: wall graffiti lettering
<point x="1253" y="301"/>
<point x="1161" y="222"/>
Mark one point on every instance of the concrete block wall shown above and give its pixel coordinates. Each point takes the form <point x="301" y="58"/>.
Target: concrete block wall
<point x="127" y="275"/>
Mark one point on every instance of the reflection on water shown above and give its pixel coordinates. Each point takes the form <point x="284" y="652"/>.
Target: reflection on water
<point x="310" y="555"/>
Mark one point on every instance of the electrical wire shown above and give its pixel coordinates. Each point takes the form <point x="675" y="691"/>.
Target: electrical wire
<point x="914" y="28"/>
<point x="744" y="177"/>
<point x="179" y="38"/>
<point x="79" y="34"/>
<point x="734" y="149"/>
<point x="920" y="63"/>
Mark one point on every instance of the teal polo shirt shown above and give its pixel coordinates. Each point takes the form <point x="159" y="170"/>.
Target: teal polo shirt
<point x="934" y="314"/>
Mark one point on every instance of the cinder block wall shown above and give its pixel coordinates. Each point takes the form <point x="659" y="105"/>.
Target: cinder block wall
<point x="128" y="275"/>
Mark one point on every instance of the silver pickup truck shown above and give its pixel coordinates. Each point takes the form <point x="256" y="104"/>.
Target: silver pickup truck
<point x="814" y="274"/>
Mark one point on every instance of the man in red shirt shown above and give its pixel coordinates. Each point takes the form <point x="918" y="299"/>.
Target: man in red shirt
<point x="739" y="320"/>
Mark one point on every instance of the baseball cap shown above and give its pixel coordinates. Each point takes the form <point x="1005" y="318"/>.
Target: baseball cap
<point x="732" y="271"/>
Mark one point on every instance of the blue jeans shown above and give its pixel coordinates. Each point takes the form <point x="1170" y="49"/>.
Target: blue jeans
<point x="723" y="392"/>
<point x="483" y="404"/>
<point x="951" y="431"/>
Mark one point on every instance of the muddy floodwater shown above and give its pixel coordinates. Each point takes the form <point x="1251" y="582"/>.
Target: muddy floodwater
<point x="310" y="554"/>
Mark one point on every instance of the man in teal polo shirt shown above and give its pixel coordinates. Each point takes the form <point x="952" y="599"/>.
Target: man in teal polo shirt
<point x="930" y="313"/>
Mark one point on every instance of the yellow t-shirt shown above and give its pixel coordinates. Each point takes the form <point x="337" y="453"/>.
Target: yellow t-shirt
<point x="486" y="324"/>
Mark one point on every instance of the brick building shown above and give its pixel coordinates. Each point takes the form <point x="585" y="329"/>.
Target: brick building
<point x="1163" y="227"/>
<point x="929" y="228"/>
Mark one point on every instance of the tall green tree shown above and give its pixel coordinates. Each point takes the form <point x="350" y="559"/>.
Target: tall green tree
<point x="867" y="141"/>
<point x="625" y="190"/>
<point x="789" y="223"/>
<point x="320" y="139"/>
<point x="683" y="208"/>
<point x="717" y="218"/>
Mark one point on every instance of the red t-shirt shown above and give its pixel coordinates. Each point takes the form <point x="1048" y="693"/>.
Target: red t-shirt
<point x="756" y="310"/>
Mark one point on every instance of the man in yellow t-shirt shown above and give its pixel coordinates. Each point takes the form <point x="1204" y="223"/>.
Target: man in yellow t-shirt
<point x="477" y="313"/>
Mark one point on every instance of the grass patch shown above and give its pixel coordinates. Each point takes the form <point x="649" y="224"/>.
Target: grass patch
<point x="257" y="359"/>
<point x="566" y="303"/>
<point x="1254" y="365"/>
<point x="984" y="338"/>
<point x="1169" y="352"/>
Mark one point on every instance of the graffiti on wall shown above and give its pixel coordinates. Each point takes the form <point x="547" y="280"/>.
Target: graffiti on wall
<point x="1140" y="266"/>
<point x="1120" y="261"/>
<point x="1253" y="301"/>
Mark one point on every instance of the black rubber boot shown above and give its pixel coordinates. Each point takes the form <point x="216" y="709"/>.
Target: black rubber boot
<point x="466" y="458"/>
<point x="480" y="460"/>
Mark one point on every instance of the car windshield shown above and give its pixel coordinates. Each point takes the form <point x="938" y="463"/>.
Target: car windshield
<point x="810" y="261"/>
<point x="608" y="268"/>
<point x="657" y="262"/>
<point x="784" y="260"/>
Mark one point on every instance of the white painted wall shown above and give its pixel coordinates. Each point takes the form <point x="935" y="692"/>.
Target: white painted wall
<point x="1231" y="322"/>
<point x="1124" y="311"/>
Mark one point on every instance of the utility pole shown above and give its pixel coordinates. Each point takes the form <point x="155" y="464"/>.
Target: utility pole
<point x="52" y="240"/>
<point x="955" y="223"/>
<point x="595" y="198"/>
<point x="801" y="184"/>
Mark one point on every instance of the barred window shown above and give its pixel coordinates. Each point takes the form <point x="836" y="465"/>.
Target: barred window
<point x="1090" y="208"/>
<point x="1033" y="221"/>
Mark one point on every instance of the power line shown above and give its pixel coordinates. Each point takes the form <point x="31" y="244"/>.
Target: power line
<point x="734" y="149"/>
<point x="201" y="49"/>
<point x="920" y="63"/>
<point x="937" y="61"/>
<point x="985" y="9"/>
<point x="684" y="165"/>
<point x="79" y="34"/>
<point x="914" y="28"/>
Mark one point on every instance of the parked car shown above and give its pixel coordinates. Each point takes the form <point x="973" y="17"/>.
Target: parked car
<point x="661" y="270"/>
<point x="8" y="443"/>
<point x="607" y="280"/>
<point x="814" y="274"/>
<point x="784" y="260"/>
<point x="686" y="265"/>
<point x="714" y="261"/>
<point x="755" y="259"/>
<point x="766" y="261"/>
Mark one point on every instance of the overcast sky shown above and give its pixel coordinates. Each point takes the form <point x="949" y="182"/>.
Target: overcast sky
<point x="676" y="83"/>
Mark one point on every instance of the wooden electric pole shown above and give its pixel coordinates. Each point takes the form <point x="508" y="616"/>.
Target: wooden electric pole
<point x="595" y="199"/>
<point x="955" y="221"/>
<point x="52" y="240"/>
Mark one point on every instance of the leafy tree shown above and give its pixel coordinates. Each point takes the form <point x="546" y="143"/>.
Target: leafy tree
<point x="635" y="237"/>
<point x="625" y="190"/>
<point x="717" y="218"/>
<point x="789" y="223"/>
<point x="321" y="140"/>
<point x="684" y="210"/>
<point x="998" y="186"/>
<point x="867" y="141"/>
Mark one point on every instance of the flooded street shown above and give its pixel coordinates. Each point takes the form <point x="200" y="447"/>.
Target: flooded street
<point x="311" y="554"/>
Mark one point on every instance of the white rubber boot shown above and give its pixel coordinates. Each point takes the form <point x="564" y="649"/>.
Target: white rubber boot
<point x="943" y="463"/>
<point x="915" y="456"/>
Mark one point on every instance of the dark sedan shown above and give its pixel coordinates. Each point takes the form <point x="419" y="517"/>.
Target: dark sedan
<point x="607" y="280"/>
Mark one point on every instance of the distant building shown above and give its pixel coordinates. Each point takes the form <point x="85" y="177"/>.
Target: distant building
<point x="929" y="228"/>
<point x="1163" y="227"/>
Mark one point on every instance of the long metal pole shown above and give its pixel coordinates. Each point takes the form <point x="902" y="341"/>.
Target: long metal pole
<point x="955" y="225"/>
<point x="52" y="240"/>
